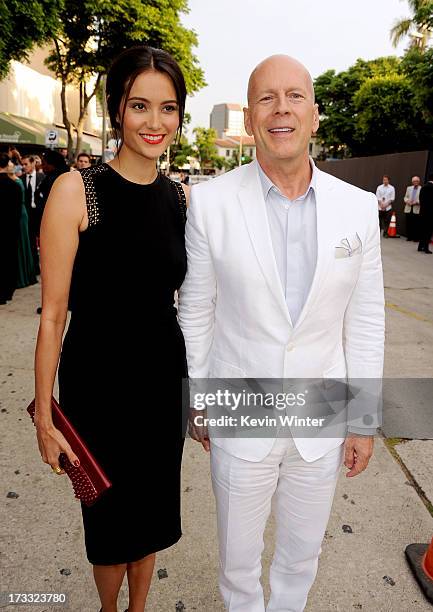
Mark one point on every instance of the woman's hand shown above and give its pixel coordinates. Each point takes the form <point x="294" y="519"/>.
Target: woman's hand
<point x="51" y="443"/>
<point x="196" y="430"/>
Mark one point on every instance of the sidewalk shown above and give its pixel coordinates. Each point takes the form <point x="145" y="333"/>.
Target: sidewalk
<point x="43" y="548"/>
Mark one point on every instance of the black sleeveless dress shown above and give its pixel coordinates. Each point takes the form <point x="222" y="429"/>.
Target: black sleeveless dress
<point x="123" y="363"/>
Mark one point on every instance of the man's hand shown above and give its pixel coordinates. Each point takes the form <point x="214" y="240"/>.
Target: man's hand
<point x="357" y="453"/>
<point x="197" y="431"/>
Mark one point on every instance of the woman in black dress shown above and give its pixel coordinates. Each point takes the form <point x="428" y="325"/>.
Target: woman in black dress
<point x="112" y="242"/>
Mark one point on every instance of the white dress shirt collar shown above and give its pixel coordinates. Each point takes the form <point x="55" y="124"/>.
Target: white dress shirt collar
<point x="267" y="184"/>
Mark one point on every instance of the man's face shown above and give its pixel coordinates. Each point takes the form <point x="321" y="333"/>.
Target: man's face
<point x="28" y="166"/>
<point x="416" y="181"/>
<point x="282" y="114"/>
<point x="83" y="162"/>
<point x="385" y="180"/>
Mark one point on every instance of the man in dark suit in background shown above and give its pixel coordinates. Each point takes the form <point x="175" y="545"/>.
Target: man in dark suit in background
<point x="53" y="165"/>
<point x="426" y="215"/>
<point x="31" y="180"/>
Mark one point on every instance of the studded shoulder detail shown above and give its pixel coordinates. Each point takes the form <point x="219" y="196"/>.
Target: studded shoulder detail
<point x="93" y="209"/>
<point x="182" y="198"/>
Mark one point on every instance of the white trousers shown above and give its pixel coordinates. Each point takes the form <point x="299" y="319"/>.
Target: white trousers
<point x="302" y="495"/>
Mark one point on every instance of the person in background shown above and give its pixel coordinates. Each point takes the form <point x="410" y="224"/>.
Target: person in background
<point x="411" y="209"/>
<point x="26" y="265"/>
<point x="83" y="161"/>
<point x="64" y="153"/>
<point x="14" y="155"/>
<point x="426" y="215"/>
<point x="385" y="194"/>
<point x="53" y="165"/>
<point x="184" y="178"/>
<point x="38" y="162"/>
<point x="31" y="180"/>
<point x="10" y="212"/>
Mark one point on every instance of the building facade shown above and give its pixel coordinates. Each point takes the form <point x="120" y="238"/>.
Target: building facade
<point x="30" y="103"/>
<point x="228" y="146"/>
<point x="227" y="120"/>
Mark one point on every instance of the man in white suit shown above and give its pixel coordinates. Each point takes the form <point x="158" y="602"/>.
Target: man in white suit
<point x="284" y="280"/>
<point x="411" y="209"/>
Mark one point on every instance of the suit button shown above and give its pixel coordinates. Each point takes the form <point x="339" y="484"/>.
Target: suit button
<point x="290" y="347"/>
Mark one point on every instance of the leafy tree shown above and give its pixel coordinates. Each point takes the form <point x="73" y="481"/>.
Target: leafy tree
<point x="418" y="67"/>
<point x="419" y="27"/>
<point x="387" y="121"/>
<point x="91" y="33"/>
<point x="233" y="162"/>
<point x="24" y="25"/>
<point x="205" y="145"/>
<point x="221" y="162"/>
<point x="335" y="97"/>
<point x="180" y="153"/>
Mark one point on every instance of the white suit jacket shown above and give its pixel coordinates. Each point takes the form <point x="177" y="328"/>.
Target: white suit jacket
<point x="232" y="309"/>
<point x="408" y="198"/>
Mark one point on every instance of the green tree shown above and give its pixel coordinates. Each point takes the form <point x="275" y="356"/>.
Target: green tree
<point x="335" y="96"/>
<point x="419" y="27"/>
<point x="24" y="25"/>
<point x="204" y="144"/>
<point x="233" y="162"/>
<point x="418" y="66"/>
<point x="91" y="33"/>
<point x="221" y="163"/>
<point x="180" y="153"/>
<point x="387" y="120"/>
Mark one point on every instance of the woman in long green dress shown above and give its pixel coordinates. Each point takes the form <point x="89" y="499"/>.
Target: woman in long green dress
<point x="26" y="271"/>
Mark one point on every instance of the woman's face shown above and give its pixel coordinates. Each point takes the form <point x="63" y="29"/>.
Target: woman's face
<point x="151" y="115"/>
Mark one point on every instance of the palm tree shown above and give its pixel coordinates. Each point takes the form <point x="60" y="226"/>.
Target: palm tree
<point x="418" y="27"/>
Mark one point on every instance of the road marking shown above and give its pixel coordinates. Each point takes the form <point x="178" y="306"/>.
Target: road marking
<point x="408" y="313"/>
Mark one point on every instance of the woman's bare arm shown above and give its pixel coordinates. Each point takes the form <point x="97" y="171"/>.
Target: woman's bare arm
<point x="64" y="216"/>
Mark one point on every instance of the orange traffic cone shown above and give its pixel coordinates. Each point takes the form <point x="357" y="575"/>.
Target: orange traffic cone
<point x="392" y="229"/>
<point x="427" y="563"/>
<point x="420" y="559"/>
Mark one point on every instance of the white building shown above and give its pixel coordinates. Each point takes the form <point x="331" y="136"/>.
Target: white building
<point x="30" y="104"/>
<point x="228" y="146"/>
<point x="227" y="120"/>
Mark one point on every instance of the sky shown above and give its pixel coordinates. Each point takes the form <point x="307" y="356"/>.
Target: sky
<point x="235" y="35"/>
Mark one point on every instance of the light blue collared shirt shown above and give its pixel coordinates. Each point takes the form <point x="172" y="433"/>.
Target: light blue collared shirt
<point x="293" y="229"/>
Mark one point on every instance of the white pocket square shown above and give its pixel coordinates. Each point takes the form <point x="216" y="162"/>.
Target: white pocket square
<point x="348" y="247"/>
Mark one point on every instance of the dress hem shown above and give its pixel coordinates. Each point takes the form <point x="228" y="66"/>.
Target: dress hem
<point x="138" y="557"/>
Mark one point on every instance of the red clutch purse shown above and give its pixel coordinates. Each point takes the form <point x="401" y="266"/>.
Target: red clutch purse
<point x="88" y="479"/>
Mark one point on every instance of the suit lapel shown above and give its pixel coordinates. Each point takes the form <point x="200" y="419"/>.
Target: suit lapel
<point x="254" y="211"/>
<point x="323" y="230"/>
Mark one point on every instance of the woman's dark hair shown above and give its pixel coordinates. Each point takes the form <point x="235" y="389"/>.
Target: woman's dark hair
<point x="55" y="159"/>
<point x="127" y="67"/>
<point x="4" y="160"/>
